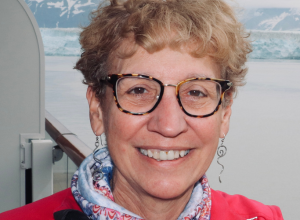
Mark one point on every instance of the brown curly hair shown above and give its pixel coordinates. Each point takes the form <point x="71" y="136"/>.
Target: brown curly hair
<point x="202" y="27"/>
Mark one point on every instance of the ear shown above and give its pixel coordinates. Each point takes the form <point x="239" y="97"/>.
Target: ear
<point x="226" y="113"/>
<point x="96" y="115"/>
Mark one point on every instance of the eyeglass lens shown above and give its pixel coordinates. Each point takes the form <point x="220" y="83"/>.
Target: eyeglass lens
<point x="139" y="95"/>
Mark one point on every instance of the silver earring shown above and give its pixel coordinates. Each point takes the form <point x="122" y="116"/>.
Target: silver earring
<point x="96" y="149"/>
<point x="98" y="173"/>
<point x="221" y="153"/>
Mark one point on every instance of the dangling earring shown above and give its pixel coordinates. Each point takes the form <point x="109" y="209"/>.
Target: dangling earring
<point x="98" y="173"/>
<point x="96" y="149"/>
<point x="221" y="153"/>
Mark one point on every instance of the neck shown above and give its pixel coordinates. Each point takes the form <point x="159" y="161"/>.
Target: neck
<point x="143" y="204"/>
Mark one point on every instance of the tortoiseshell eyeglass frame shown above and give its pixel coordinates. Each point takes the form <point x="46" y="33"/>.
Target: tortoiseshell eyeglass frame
<point x="113" y="79"/>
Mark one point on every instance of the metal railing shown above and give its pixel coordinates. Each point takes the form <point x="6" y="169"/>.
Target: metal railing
<point x="75" y="149"/>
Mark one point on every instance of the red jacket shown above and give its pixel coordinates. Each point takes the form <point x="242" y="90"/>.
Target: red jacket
<point x="224" y="207"/>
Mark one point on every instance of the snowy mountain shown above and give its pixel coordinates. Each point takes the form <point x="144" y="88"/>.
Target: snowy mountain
<point x="74" y="13"/>
<point x="272" y="19"/>
<point x="62" y="13"/>
<point x="275" y="32"/>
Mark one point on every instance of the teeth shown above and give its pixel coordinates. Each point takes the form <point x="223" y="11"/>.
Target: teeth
<point x="145" y="152"/>
<point x="156" y="154"/>
<point x="171" y="155"/>
<point x="182" y="153"/>
<point x="150" y="153"/>
<point x="176" y="154"/>
<point x="164" y="155"/>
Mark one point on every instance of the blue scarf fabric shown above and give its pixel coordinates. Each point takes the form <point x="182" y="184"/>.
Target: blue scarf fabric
<point x="96" y="199"/>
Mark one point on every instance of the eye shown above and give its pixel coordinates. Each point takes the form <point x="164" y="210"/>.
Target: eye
<point x="137" y="91"/>
<point x="196" y="93"/>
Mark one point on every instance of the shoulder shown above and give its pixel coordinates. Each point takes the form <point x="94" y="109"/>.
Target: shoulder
<point x="44" y="208"/>
<point x="235" y="207"/>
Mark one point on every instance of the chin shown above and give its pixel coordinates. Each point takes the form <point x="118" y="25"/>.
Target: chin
<point x="168" y="189"/>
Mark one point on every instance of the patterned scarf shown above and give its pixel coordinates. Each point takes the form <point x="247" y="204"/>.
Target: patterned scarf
<point x="97" y="202"/>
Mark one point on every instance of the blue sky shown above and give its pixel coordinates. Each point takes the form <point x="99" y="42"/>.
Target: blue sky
<point x="268" y="3"/>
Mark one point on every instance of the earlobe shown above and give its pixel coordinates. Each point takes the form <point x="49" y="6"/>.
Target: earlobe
<point x="96" y="115"/>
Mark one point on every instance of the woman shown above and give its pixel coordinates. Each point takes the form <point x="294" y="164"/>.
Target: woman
<point x="161" y="77"/>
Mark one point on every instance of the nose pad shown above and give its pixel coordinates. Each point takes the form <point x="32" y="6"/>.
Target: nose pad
<point x="168" y="119"/>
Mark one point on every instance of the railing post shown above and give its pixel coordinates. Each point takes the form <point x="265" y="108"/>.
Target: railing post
<point x="75" y="149"/>
<point x="42" y="170"/>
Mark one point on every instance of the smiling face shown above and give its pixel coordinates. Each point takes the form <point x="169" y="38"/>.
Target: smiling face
<point x="165" y="129"/>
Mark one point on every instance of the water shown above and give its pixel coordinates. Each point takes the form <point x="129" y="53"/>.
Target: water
<point x="263" y="148"/>
<point x="262" y="161"/>
<point x="65" y="97"/>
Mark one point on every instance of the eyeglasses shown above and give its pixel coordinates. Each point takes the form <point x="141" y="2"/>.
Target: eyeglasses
<point x="138" y="94"/>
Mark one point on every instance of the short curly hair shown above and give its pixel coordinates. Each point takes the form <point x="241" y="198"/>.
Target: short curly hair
<point x="202" y="27"/>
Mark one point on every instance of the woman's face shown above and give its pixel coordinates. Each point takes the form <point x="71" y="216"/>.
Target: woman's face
<point x="166" y="128"/>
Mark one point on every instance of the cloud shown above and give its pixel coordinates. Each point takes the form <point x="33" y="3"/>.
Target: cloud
<point x="266" y="3"/>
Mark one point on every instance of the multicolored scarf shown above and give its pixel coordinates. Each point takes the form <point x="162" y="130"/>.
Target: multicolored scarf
<point x="97" y="202"/>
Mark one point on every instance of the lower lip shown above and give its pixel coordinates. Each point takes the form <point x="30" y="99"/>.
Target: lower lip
<point x="165" y="163"/>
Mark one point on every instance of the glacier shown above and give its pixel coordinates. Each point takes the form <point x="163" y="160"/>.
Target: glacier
<point x="61" y="41"/>
<point x="266" y="44"/>
<point x="275" y="45"/>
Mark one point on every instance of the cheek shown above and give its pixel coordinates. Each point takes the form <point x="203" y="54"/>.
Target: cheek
<point x="116" y="131"/>
<point x="207" y="131"/>
<point x="121" y="129"/>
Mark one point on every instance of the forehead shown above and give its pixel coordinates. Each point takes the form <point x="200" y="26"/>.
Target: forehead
<point x="166" y="65"/>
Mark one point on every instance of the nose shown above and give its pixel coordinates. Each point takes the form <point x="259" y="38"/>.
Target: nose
<point x="168" y="119"/>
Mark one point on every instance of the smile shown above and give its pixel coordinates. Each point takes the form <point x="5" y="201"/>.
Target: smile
<point x="161" y="155"/>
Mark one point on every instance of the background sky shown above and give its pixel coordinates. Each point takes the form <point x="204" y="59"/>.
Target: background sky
<point x="267" y="3"/>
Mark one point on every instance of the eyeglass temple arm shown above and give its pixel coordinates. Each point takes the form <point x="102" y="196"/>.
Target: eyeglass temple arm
<point x="225" y="85"/>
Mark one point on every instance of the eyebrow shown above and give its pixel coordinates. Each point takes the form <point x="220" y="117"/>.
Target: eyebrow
<point x="189" y="76"/>
<point x="197" y="75"/>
